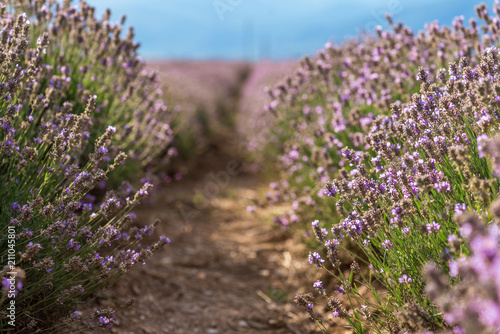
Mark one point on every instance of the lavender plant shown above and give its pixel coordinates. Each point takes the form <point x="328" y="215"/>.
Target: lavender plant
<point x="330" y="103"/>
<point x="253" y="119"/>
<point x="87" y="56"/>
<point x="398" y="203"/>
<point x="471" y="302"/>
<point x="58" y="141"/>
<point x="400" y="165"/>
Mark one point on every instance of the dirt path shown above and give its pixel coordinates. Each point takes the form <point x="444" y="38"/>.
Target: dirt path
<point x="226" y="270"/>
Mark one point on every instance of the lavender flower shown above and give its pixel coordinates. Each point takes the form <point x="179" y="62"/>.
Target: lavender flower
<point x="405" y="279"/>
<point x="318" y="231"/>
<point x="315" y="258"/>
<point x="387" y="244"/>
<point x="318" y="286"/>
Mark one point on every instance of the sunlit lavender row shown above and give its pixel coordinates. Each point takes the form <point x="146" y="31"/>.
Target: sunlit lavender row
<point x="81" y="122"/>
<point x="385" y="146"/>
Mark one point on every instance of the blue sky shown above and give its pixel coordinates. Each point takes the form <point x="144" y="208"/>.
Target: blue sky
<point x="269" y="29"/>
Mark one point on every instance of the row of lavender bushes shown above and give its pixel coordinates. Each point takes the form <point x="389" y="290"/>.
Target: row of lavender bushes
<point x="81" y="122"/>
<point x="206" y="94"/>
<point x="387" y="145"/>
<point x="253" y="120"/>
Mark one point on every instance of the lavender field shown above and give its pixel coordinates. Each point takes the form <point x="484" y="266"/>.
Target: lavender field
<point x="355" y="190"/>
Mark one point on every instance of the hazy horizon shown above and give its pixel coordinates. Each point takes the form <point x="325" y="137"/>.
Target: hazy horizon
<point x="255" y="30"/>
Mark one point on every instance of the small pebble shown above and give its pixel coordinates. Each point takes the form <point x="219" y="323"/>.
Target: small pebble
<point x="242" y="323"/>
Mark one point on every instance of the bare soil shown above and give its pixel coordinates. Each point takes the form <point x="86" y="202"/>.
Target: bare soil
<point x="226" y="270"/>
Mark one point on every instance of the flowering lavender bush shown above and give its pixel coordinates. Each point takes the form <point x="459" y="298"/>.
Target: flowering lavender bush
<point x="471" y="305"/>
<point x="87" y="56"/>
<point x="57" y="143"/>
<point x="471" y="302"/>
<point x="253" y="119"/>
<point x="331" y="102"/>
<point x="401" y="164"/>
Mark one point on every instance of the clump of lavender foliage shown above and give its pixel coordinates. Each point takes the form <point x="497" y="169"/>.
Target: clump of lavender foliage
<point x="89" y="56"/>
<point x="396" y="128"/>
<point x="468" y="291"/>
<point x="68" y="120"/>
<point x="473" y="304"/>
<point x="331" y="102"/>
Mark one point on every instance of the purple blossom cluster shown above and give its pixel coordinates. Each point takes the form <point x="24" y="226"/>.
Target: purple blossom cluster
<point x="332" y="102"/>
<point x="253" y="119"/>
<point x="68" y="120"/>
<point x="400" y="128"/>
<point x="472" y="302"/>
